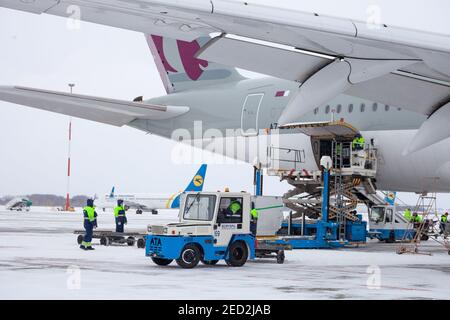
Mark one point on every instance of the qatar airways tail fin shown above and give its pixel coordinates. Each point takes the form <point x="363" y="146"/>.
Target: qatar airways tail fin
<point x="179" y="68"/>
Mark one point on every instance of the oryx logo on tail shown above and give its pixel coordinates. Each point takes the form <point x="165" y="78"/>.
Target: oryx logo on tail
<point x="181" y="70"/>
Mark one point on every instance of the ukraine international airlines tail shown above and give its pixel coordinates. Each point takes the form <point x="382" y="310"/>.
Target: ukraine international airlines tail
<point x="152" y="202"/>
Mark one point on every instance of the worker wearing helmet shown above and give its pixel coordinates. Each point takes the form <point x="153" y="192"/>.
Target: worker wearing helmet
<point x="443" y="222"/>
<point x="407" y="214"/>
<point x="416" y="218"/>
<point x="119" y="215"/>
<point x="358" y="142"/>
<point x="253" y="219"/>
<point x="90" y="222"/>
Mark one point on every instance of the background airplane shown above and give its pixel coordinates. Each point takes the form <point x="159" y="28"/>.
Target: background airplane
<point x="152" y="202"/>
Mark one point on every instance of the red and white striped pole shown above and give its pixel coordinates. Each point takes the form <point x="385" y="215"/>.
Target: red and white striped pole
<point x="71" y="85"/>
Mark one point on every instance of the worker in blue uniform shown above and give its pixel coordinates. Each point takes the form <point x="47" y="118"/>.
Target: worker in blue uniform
<point x="119" y="215"/>
<point x="443" y="222"/>
<point x="90" y="222"/>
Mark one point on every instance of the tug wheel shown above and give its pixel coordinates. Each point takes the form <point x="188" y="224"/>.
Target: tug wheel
<point x="141" y="243"/>
<point x="238" y="254"/>
<point x="80" y="239"/>
<point x="189" y="257"/>
<point x="161" y="261"/>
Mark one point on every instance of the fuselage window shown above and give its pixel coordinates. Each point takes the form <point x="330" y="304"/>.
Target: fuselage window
<point x="386" y="108"/>
<point x="339" y="108"/>
<point x="363" y="107"/>
<point x="327" y="109"/>
<point x="316" y="110"/>
<point x="350" y="108"/>
<point x="375" y="107"/>
<point x="399" y="109"/>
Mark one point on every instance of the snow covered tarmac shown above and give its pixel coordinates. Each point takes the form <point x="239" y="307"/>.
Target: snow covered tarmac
<point x="40" y="259"/>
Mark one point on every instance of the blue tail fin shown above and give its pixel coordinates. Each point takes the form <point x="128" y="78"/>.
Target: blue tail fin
<point x="196" y="184"/>
<point x="111" y="195"/>
<point x="198" y="180"/>
<point x="390" y="197"/>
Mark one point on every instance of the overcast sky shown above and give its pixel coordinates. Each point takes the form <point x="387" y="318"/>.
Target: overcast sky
<point x="39" y="51"/>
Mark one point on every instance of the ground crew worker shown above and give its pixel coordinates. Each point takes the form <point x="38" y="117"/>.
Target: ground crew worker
<point x="358" y="142"/>
<point x="119" y="215"/>
<point x="408" y="214"/>
<point x="253" y="220"/>
<point x="444" y="220"/>
<point x="90" y="222"/>
<point x="234" y="207"/>
<point x="416" y="218"/>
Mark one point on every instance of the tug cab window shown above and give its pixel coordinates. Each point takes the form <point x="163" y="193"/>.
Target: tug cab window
<point x="199" y="207"/>
<point x="377" y="214"/>
<point x="230" y="210"/>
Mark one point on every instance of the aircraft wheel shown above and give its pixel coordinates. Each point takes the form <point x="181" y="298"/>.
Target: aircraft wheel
<point x="189" y="257"/>
<point x="154" y="211"/>
<point x="138" y="211"/>
<point x="238" y="254"/>
<point x="80" y="239"/>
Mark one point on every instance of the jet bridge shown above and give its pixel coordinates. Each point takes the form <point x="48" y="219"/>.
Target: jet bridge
<point x="352" y="177"/>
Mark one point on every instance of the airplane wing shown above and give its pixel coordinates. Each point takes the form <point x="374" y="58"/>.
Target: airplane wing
<point x="326" y="55"/>
<point x="109" y="111"/>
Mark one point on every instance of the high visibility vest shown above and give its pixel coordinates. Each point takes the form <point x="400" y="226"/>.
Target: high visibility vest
<point x="117" y="211"/>
<point x="338" y="149"/>
<point x="254" y="213"/>
<point x="235" y="207"/>
<point x="407" y="214"/>
<point x="418" y="219"/>
<point x="444" y="218"/>
<point x="358" y="141"/>
<point x="89" y="213"/>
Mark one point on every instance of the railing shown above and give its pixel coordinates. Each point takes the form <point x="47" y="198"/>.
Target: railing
<point x="347" y="157"/>
<point x="285" y="159"/>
